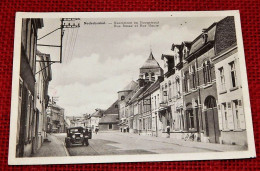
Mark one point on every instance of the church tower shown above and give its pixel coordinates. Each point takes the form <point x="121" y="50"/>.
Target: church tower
<point x="151" y="70"/>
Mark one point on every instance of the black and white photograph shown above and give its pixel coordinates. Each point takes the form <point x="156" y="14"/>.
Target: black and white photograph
<point x="128" y="87"/>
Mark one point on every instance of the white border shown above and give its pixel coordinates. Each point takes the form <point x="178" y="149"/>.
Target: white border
<point x="12" y="160"/>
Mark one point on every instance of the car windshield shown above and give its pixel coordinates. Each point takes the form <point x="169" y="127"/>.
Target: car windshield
<point x="75" y="130"/>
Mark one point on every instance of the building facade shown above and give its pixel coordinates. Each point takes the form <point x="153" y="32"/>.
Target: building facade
<point x="56" y="120"/>
<point x="229" y="88"/>
<point x="124" y="96"/>
<point x="26" y="126"/>
<point x="43" y="77"/>
<point x="110" y="118"/>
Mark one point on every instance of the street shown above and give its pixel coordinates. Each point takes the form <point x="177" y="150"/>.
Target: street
<point x="124" y="143"/>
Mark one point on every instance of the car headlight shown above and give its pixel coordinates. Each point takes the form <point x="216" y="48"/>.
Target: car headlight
<point x="81" y="135"/>
<point x="73" y="136"/>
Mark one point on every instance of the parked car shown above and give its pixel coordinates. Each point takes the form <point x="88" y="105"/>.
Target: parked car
<point x="77" y="135"/>
<point x="89" y="131"/>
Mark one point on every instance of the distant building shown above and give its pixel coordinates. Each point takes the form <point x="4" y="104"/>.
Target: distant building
<point x="95" y="118"/>
<point x="56" y="120"/>
<point x="123" y="97"/>
<point x="110" y="119"/>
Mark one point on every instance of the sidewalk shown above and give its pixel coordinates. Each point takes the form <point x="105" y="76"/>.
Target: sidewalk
<point x="51" y="149"/>
<point x="192" y="144"/>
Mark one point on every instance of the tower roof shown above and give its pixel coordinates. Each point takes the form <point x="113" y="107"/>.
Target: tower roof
<point x="150" y="63"/>
<point x="130" y="86"/>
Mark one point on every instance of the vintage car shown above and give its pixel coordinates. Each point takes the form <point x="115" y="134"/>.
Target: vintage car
<point x="77" y="135"/>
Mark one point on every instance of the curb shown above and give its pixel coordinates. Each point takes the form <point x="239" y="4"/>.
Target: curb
<point x="66" y="150"/>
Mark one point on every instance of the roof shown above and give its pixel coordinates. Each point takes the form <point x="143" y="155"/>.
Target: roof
<point x="150" y="63"/>
<point x="139" y="92"/>
<point x="187" y="44"/>
<point x="97" y="113"/>
<point x="131" y="86"/>
<point x="153" y="87"/>
<point x="109" y="118"/>
<point x="225" y="34"/>
<point x="199" y="41"/>
<point x="112" y="109"/>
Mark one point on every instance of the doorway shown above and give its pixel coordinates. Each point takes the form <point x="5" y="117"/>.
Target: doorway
<point x="211" y="120"/>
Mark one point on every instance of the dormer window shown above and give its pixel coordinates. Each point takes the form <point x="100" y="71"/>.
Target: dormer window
<point x="122" y="97"/>
<point x="205" y="36"/>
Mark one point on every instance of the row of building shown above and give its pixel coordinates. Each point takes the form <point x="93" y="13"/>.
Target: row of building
<point x="103" y="120"/>
<point x="34" y="119"/>
<point x="198" y="92"/>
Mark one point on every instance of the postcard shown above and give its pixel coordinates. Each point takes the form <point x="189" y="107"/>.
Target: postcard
<point x="104" y="87"/>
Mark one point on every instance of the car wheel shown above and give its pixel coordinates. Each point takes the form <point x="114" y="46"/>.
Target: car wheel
<point x="67" y="145"/>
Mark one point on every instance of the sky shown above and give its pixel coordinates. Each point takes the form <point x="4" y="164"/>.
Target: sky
<point x="100" y="60"/>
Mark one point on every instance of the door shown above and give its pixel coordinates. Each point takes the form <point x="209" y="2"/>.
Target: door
<point x="211" y="118"/>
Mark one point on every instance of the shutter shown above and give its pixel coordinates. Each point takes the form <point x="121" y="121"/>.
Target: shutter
<point x="241" y="115"/>
<point x="230" y="117"/>
<point x="220" y="118"/>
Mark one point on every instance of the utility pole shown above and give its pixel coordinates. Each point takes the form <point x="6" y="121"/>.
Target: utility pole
<point x="63" y="25"/>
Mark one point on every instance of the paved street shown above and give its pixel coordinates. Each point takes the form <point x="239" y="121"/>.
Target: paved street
<point x="125" y="143"/>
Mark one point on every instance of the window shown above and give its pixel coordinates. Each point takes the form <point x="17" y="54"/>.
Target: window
<point x="193" y="77"/>
<point x="152" y="77"/>
<point x="205" y="37"/>
<point x="233" y="74"/>
<point x="224" y="115"/>
<point x="222" y="79"/>
<point x="155" y="102"/>
<point x="122" y="97"/>
<point x="207" y="72"/>
<point x="146" y="76"/>
<point x="178" y="87"/>
<point x="116" y="106"/>
<point x="191" y="117"/>
<point x="235" y="113"/>
<point x="170" y="90"/>
<point x="186" y="82"/>
<point x="110" y="126"/>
